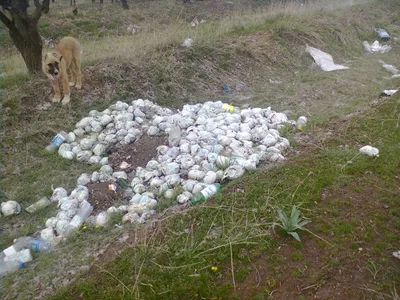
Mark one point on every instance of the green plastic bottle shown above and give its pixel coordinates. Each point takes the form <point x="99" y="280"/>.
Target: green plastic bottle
<point x="206" y="193"/>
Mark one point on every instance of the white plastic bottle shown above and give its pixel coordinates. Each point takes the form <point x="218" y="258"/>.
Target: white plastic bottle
<point x="10" y="267"/>
<point x="23" y="256"/>
<point x="77" y="221"/>
<point x="301" y="123"/>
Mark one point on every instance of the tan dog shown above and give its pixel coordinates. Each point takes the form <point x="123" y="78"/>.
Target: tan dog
<point x="65" y="57"/>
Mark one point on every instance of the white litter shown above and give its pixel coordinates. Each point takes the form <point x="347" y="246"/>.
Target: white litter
<point x="10" y="208"/>
<point x="187" y="43"/>
<point x="375" y="47"/>
<point x="324" y="60"/>
<point x="389" y="92"/>
<point x="370" y="151"/>
<point x="389" y="68"/>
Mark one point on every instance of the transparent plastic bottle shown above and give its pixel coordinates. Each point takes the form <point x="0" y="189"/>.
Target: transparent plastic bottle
<point x="27" y="242"/>
<point x="10" y="267"/>
<point x="42" y="203"/>
<point x="206" y="193"/>
<point x="57" y="141"/>
<point x="301" y="123"/>
<point x="77" y="221"/>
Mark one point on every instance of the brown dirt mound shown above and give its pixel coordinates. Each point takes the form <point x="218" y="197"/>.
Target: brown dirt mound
<point x="102" y="198"/>
<point x="136" y="154"/>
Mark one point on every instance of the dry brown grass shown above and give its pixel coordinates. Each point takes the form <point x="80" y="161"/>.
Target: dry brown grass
<point x="159" y="34"/>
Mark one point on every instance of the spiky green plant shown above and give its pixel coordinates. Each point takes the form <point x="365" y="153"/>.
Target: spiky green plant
<point x="292" y="223"/>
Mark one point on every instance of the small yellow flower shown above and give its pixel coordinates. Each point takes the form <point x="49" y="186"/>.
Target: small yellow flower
<point x="84" y="227"/>
<point x="214" y="269"/>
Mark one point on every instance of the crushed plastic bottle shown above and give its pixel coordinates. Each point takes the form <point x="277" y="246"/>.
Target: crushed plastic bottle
<point x="10" y="267"/>
<point x="57" y="141"/>
<point x="206" y="193"/>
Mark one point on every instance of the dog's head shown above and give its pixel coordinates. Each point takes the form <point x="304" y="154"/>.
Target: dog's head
<point x="51" y="64"/>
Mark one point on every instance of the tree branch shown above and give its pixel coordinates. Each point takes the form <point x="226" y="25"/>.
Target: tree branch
<point x="6" y="21"/>
<point x="44" y="7"/>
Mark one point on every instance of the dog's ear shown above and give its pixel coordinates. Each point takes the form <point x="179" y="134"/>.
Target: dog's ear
<point x="61" y="58"/>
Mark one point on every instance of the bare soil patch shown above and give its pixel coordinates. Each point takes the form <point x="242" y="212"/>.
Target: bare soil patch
<point x="101" y="197"/>
<point x="136" y="154"/>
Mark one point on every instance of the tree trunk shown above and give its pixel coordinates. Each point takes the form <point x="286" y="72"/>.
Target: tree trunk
<point x="125" y="4"/>
<point x="27" y="39"/>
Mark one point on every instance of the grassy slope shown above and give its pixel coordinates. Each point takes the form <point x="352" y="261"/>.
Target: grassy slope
<point x="251" y="53"/>
<point x="174" y="261"/>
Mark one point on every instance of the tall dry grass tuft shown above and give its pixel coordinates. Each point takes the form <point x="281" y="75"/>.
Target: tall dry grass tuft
<point x="143" y="45"/>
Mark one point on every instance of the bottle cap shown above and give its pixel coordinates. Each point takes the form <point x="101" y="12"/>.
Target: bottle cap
<point x="21" y="265"/>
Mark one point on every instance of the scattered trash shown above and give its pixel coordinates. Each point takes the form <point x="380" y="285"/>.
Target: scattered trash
<point x="124" y="165"/>
<point x="389" y="68"/>
<point x="375" y="47"/>
<point x="84" y="212"/>
<point x="382" y="33"/>
<point x="112" y="187"/>
<point x="370" y="151"/>
<point x="206" y="193"/>
<point x="44" y="106"/>
<point x="10" y="267"/>
<point x="132" y="29"/>
<point x="196" y="22"/>
<point x="23" y="256"/>
<point x="301" y="123"/>
<point x="42" y="203"/>
<point x="324" y="60"/>
<point x="102" y="219"/>
<point x="10" y="208"/>
<point x="396" y="76"/>
<point x="389" y="92"/>
<point x="187" y="43"/>
<point x="275" y="81"/>
<point x="57" y="141"/>
<point x="396" y="254"/>
<point x="227" y="90"/>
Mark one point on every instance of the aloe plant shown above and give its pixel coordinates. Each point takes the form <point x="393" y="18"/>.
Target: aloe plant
<point x="292" y="223"/>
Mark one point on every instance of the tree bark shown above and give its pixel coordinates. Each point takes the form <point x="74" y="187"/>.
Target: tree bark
<point x="27" y="39"/>
<point x="125" y="4"/>
<point x="24" y="31"/>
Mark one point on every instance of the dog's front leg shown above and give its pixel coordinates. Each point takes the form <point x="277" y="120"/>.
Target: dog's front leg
<point x="67" y="92"/>
<point x="56" y="89"/>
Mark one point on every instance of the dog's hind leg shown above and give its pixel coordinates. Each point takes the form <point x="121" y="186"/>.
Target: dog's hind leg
<point x="78" y="73"/>
<point x="72" y="70"/>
